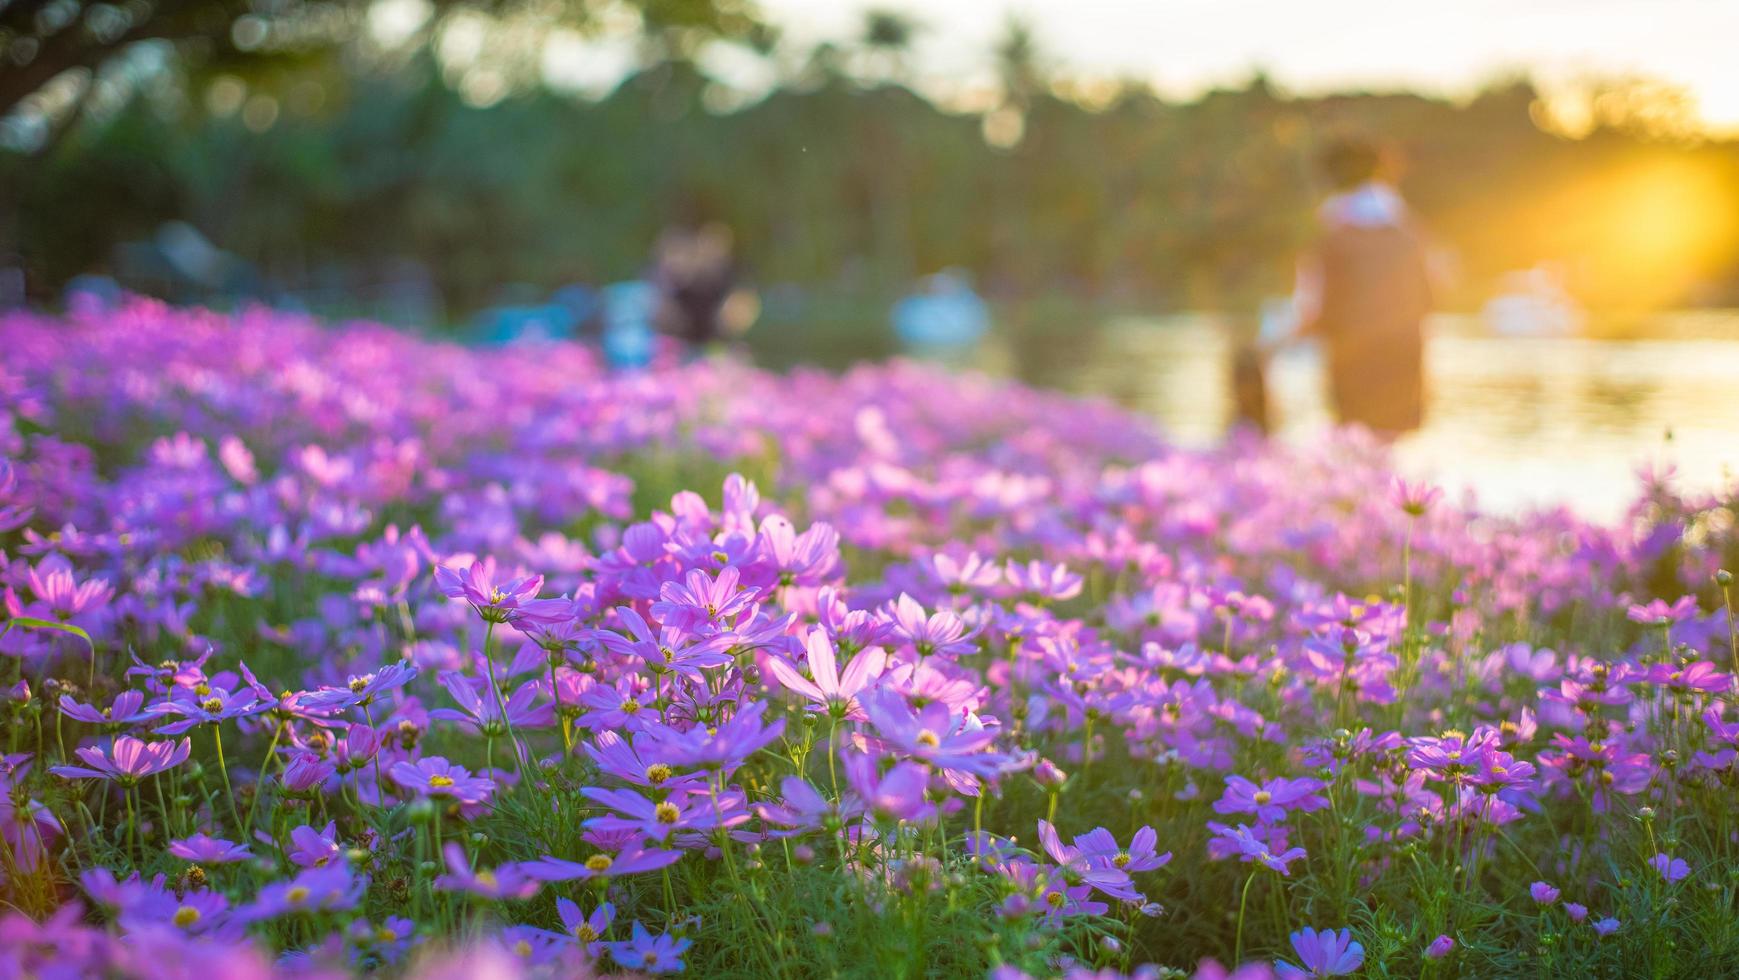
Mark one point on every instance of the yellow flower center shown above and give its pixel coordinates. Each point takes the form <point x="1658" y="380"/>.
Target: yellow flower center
<point x="384" y="935"/>
<point x="929" y="738"/>
<point x="1121" y="859"/>
<point x="598" y="863"/>
<point x="212" y="705"/>
<point x="522" y="949"/>
<point x="186" y="915"/>
<point x="486" y="878"/>
<point x="296" y="895"/>
<point x="630" y="707"/>
<point x="657" y="773"/>
<point x="440" y="782"/>
<point x="202" y="689"/>
<point x="666" y="812"/>
<point x="1263" y="797"/>
<point x="358" y="683"/>
<point x="585" y="933"/>
<point x="1055" y="899"/>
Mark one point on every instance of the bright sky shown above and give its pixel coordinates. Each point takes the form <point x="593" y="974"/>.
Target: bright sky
<point x="1443" y="46"/>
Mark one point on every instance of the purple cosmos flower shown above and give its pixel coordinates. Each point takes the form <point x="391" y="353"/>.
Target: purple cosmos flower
<point x="638" y="761"/>
<point x="703" y="604"/>
<point x="802" y="807"/>
<point x="1413" y="499"/>
<point x="201" y="849"/>
<point x="1439" y="948"/>
<point x="934" y="733"/>
<point x="830" y="690"/>
<point x="587" y="930"/>
<point x="209" y="707"/>
<point x="128" y="708"/>
<point x="1671" y="868"/>
<point x="127" y="760"/>
<point x="1661" y="613"/>
<point x="389" y="942"/>
<point x="1606" y="926"/>
<point x="496" y="601"/>
<point x="806" y="559"/>
<point x="1044" y="582"/>
<point x="57" y="587"/>
<point x="329" y="889"/>
<point x="654" y="820"/>
<point x="507" y="881"/>
<point x="1240" y="840"/>
<point x="1097" y="845"/>
<point x="1329" y="953"/>
<point x="669" y="650"/>
<point x="943" y="634"/>
<point x="633" y="860"/>
<point x="898" y="794"/>
<point x="479" y="712"/>
<point x="1079" y="868"/>
<point x="530" y="946"/>
<point x="310" y="848"/>
<point x="1576" y="911"/>
<point x="625" y="704"/>
<point x="654" y="954"/>
<point x="436" y="777"/>
<point x="1543" y="893"/>
<point x="361" y="690"/>
<point x="1270" y="801"/>
<point x="307" y="774"/>
<point x="724" y="746"/>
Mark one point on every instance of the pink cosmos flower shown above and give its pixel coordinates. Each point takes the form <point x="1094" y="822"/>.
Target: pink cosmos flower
<point x="495" y="600"/>
<point x="830" y="690"/>
<point x="202" y="849"/>
<point x="1272" y="800"/>
<point x="127" y="760"/>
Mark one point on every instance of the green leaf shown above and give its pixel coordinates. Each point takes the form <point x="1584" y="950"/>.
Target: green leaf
<point x="30" y="622"/>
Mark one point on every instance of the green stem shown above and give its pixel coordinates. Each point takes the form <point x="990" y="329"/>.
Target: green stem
<point x="260" y="783"/>
<point x="234" y="811"/>
<point x="1238" y="943"/>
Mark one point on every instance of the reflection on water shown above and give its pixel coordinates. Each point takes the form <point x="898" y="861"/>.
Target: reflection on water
<point x="1523" y="422"/>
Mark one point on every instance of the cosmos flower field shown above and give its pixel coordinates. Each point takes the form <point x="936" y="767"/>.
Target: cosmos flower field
<point x="332" y="650"/>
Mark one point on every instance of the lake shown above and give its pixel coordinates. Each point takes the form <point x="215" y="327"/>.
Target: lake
<point x="1523" y="422"/>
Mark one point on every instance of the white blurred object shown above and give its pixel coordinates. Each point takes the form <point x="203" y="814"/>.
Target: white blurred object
<point x="1372" y="204"/>
<point x="1533" y="303"/>
<point x="1279" y="320"/>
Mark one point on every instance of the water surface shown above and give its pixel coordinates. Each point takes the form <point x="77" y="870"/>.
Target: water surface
<point x="1523" y="422"/>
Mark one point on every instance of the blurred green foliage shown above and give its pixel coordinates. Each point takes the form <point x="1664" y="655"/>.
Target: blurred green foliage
<point x="832" y="183"/>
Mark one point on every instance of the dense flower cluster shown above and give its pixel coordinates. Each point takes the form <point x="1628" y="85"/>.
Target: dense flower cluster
<point x="332" y="649"/>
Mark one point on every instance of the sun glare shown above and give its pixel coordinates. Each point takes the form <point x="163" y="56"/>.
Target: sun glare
<point x="1642" y="237"/>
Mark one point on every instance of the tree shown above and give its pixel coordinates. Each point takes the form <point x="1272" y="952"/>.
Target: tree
<point x="42" y="40"/>
<point x="887" y="39"/>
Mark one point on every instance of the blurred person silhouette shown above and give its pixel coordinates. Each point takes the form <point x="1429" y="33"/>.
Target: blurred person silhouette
<point x="695" y="276"/>
<point x="1249" y="383"/>
<point x="1364" y="289"/>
